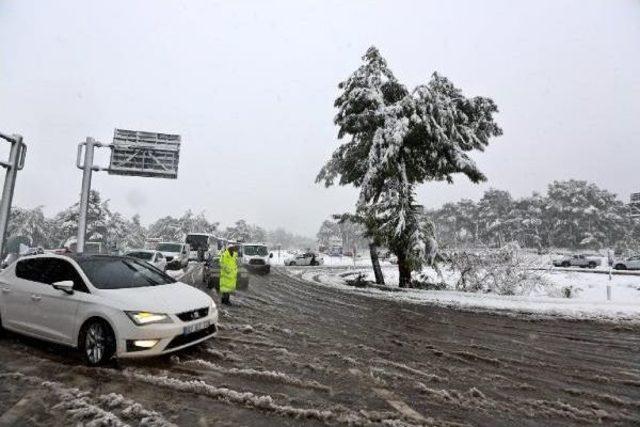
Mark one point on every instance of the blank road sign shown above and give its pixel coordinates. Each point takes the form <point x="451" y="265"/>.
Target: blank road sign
<point x="148" y="154"/>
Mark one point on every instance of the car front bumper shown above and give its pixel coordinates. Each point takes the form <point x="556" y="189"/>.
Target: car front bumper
<point x="171" y="336"/>
<point x="258" y="268"/>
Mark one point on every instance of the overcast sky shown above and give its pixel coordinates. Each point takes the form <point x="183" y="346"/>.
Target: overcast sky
<point x="250" y="87"/>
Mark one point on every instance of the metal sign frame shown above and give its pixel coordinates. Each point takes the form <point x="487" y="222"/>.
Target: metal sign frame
<point x="15" y="163"/>
<point x="133" y="153"/>
<point x="634" y="205"/>
<point x="147" y="154"/>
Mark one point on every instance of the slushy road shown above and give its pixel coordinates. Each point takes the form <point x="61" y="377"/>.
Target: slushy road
<point x="292" y="352"/>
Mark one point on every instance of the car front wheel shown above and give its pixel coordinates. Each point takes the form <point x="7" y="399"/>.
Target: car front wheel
<point x="620" y="267"/>
<point x="97" y="342"/>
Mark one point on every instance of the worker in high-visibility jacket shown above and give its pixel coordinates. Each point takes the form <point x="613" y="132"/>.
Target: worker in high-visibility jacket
<point x="228" y="273"/>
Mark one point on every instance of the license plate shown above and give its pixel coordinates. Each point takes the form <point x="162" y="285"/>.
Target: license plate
<point x="195" y="328"/>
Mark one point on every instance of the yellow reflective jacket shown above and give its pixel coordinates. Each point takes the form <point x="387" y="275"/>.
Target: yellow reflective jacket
<point x="228" y="271"/>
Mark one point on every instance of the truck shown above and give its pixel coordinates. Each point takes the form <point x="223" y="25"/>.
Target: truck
<point x="580" y="260"/>
<point x="201" y="244"/>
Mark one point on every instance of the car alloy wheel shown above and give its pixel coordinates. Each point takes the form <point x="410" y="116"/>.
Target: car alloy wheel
<point x="97" y="343"/>
<point x="94" y="345"/>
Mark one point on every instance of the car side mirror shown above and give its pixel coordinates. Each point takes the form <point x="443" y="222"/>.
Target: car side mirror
<point x="271" y="255"/>
<point x="65" y="286"/>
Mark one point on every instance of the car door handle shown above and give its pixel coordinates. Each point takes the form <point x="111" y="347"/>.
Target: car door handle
<point x="36" y="297"/>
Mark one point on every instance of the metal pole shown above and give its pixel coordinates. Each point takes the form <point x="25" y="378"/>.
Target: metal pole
<point x="16" y="159"/>
<point x="86" y="189"/>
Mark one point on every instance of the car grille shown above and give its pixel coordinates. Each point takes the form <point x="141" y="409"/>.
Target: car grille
<point x="256" y="262"/>
<point x="169" y="258"/>
<point x="188" y="316"/>
<point x="181" y="340"/>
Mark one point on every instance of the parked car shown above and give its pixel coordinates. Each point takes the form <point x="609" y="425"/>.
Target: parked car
<point x="154" y="258"/>
<point x="176" y="253"/>
<point x="577" y="261"/>
<point x="104" y="305"/>
<point x="631" y="263"/>
<point x="307" y="258"/>
<point x="256" y="257"/>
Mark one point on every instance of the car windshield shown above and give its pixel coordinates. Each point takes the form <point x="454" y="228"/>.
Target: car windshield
<point x="119" y="273"/>
<point x="169" y="247"/>
<point x="147" y="256"/>
<point x="253" y="250"/>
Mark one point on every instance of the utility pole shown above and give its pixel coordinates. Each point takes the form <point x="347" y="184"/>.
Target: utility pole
<point x="17" y="154"/>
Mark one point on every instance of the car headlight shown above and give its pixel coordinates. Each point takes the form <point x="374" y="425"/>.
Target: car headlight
<point x="141" y="318"/>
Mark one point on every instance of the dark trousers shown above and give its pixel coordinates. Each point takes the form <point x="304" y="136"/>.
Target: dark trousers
<point x="225" y="298"/>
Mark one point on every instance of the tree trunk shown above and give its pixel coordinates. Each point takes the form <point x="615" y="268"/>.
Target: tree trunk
<point x="404" y="270"/>
<point x="375" y="262"/>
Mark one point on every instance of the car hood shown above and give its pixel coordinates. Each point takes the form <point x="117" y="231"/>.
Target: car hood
<point x="170" y="253"/>
<point x="172" y="298"/>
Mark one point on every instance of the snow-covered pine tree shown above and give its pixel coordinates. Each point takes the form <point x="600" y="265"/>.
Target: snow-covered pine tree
<point x="167" y="228"/>
<point x="30" y="223"/>
<point x="66" y="222"/>
<point x="399" y="139"/>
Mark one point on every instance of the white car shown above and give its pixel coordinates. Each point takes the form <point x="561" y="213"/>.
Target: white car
<point x="631" y="263"/>
<point x="103" y="305"/>
<point x="154" y="258"/>
<point x="176" y="253"/>
<point x="307" y="258"/>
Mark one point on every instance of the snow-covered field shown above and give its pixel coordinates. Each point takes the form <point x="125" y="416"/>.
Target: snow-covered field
<point x="589" y="293"/>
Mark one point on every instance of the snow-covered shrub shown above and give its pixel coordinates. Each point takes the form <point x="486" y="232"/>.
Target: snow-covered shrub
<point x="569" y="291"/>
<point x="506" y="271"/>
<point x="425" y="281"/>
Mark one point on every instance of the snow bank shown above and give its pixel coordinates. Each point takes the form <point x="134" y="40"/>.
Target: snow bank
<point x="588" y="290"/>
<point x="84" y="410"/>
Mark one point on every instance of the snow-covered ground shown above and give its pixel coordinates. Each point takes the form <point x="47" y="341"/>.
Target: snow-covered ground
<point x="589" y="294"/>
<point x="361" y="260"/>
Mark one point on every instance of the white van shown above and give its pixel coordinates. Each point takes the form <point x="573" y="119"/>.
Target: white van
<point x="256" y="257"/>
<point x="201" y="244"/>
<point x="176" y="253"/>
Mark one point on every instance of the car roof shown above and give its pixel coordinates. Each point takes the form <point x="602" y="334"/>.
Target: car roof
<point x="73" y="256"/>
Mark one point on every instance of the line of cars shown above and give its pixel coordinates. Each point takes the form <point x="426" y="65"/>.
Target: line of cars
<point x="118" y="306"/>
<point x="593" y="261"/>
